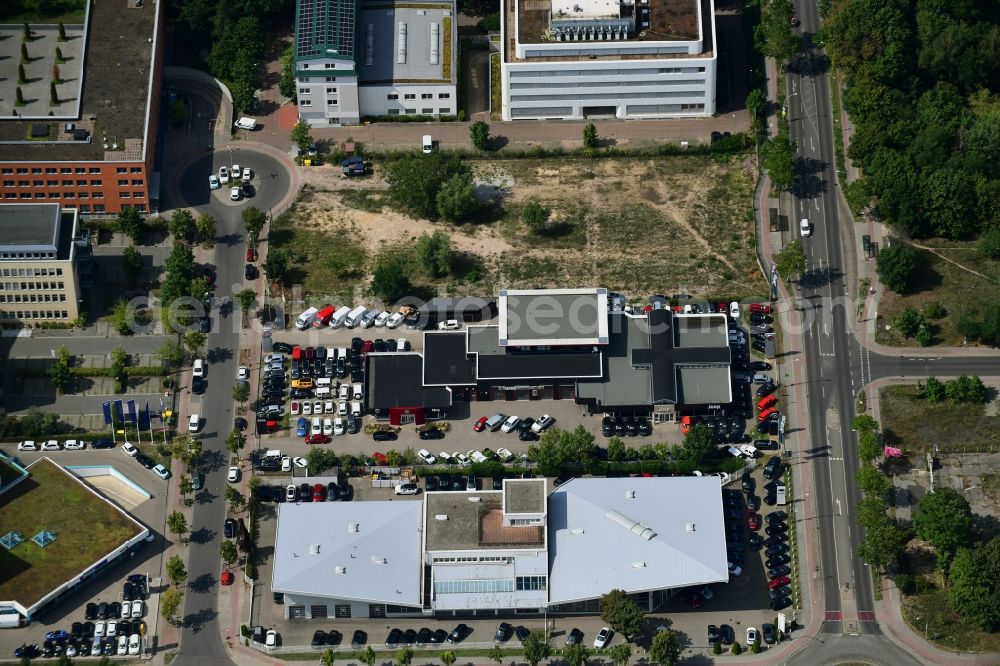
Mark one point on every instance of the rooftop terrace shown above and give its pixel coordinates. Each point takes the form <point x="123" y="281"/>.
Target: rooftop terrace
<point x="474" y="522"/>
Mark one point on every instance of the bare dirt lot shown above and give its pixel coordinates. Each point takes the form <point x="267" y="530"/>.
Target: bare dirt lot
<point x="636" y="225"/>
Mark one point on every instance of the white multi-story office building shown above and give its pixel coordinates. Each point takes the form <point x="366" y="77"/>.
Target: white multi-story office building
<point x="575" y="59"/>
<point x="359" y="59"/>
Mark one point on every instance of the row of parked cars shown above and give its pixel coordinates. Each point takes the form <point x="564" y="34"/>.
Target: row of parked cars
<point x="144" y="460"/>
<point x="67" y="445"/>
<point x="527" y="429"/>
<point x="625" y="426"/>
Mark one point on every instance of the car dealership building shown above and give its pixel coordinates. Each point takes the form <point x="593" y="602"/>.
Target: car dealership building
<point x="560" y="344"/>
<point x="515" y="550"/>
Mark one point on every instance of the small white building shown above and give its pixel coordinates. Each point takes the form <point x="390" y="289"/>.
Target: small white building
<point x="499" y="552"/>
<point x="575" y="59"/>
<point x="359" y="59"/>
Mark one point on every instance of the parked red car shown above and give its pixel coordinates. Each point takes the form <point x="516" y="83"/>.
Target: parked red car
<point x="769" y="401"/>
<point x="380" y="458"/>
<point x="760" y="308"/>
<point x="721" y="307"/>
<point x="764" y="415"/>
<point x="251" y="254"/>
<point x="367" y="346"/>
<point x="296" y="353"/>
<point x="227" y="577"/>
<point x="780" y="581"/>
<point x="479" y="425"/>
<point x="318" y="439"/>
<point x="319" y="493"/>
<point x="753" y="521"/>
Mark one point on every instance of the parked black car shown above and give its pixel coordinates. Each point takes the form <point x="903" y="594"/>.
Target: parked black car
<point x="607" y="426"/>
<point x="458" y="634"/>
<point x="382" y="436"/>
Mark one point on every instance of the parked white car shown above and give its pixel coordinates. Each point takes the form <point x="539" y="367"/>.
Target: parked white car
<point x="51" y="445"/>
<point x="338" y="426"/>
<point x="327" y="426"/>
<point x="133" y="644"/>
<point x="806" y="230"/>
<point x="382" y="318"/>
<point x="543" y="422"/>
<point x="246" y="174"/>
<point x="27" y="445"/>
<point x="194" y="423"/>
<point x="129" y="449"/>
<point x="316" y="427"/>
<point x="161" y="472"/>
<point x="462" y="459"/>
<point x="234" y="475"/>
<point x="476" y="456"/>
<point x="734" y="310"/>
<point x="394" y="320"/>
<point x="198" y="369"/>
<point x="243" y="373"/>
<point x="504" y="454"/>
<point x="74" y="445"/>
<point x="510" y="423"/>
<point x="137" y="609"/>
<point x="426" y="456"/>
<point x="213" y="182"/>
<point x="223" y="175"/>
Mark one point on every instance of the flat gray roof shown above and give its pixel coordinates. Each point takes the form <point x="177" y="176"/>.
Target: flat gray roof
<point x="624" y="384"/>
<point x="541" y="317"/>
<point x="30" y="227"/>
<point x="703" y="385"/>
<point x="701" y="330"/>
<point x="473" y="522"/>
<point x="524" y="495"/>
<point x="423" y="45"/>
<point x="499" y="363"/>
<point x="349" y="550"/>
<point x="634" y="534"/>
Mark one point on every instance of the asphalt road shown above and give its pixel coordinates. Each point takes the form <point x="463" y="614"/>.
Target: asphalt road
<point x="270" y="183"/>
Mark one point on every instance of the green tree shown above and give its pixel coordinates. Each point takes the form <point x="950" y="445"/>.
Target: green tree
<point x="621" y="613"/>
<point x="616" y="449"/>
<point x="22" y="77"/>
<point x="944" y="518"/>
<point x="536" y="648"/>
<point x="179" y="267"/>
<point x="966" y="389"/>
<point x="327" y="659"/>
<point x="236" y="441"/>
<point x="227" y="550"/>
<point x="171" y="352"/>
<point x="773" y="35"/>
<point x="791" y="260"/>
<point x="177" y="524"/>
<point x="989" y="244"/>
<point x="129" y="222"/>
<point x="737" y="649"/>
<point x="699" y="445"/>
<point x="404" y="656"/>
<point x="620" y="654"/>
<point x="558" y="448"/>
<point x="234" y="498"/>
<point x="170" y="603"/>
<point x="301" y="136"/>
<point x="665" y="648"/>
<point x="479" y="132"/>
<point x="320" y="459"/>
<point x="932" y="389"/>
<point x="496" y="654"/>
<point x="182" y="225"/>
<point x="194" y="340"/>
<point x="414" y="182"/>
<point x="286" y="85"/>
<point x="434" y="253"/>
<point x="184" y="485"/>
<point x="246" y="299"/>
<point x="187" y="449"/>
<point x="576" y="654"/>
<point x="456" y="201"/>
<point x="882" y="544"/>
<point x="389" y="280"/>
<point x="863" y="422"/>
<point x="589" y="136"/>
<point x="448" y="657"/>
<point x="367" y="656"/>
<point x="276" y="266"/>
<point x="176" y="571"/>
<point x="871" y="511"/>
<point x="909" y="321"/>
<point x="206" y="226"/>
<point x="59" y="372"/>
<point x="975" y="579"/>
<point x="868" y="446"/>
<point x="896" y="267"/>
<point x="62" y="32"/>
<point x="757" y="108"/>
<point x="254" y="220"/>
<point x="535" y="216"/>
<point x="871" y="481"/>
<point x="131" y="263"/>
<point x="778" y="159"/>
<point x="241" y="392"/>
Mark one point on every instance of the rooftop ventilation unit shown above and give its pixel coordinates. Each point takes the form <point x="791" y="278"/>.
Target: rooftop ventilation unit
<point x="474" y="498"/>
<point x="369" y="44"/>
<point x="689" y="527"/>
<point x="434" y="43"/>
<point x="576" y="530"/>
<point x="639" y="565"/>
<point x="378" y="559"/>
<point x="340" y="570"/>
<point x="441" y="516"/>
<point x="636" y="528"/>
<point x="401" y="48"/>
<point x="314" y="549"/>
<point x="629" y="494"/>
<point x="354" y="528"/>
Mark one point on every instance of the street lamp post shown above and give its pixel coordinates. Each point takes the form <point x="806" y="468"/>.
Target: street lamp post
<point x="784" y="105"/>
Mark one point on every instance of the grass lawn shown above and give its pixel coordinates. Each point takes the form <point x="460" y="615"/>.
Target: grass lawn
<point x="917" y="426"/>
<point x="87" y="528"/>
<point x="944" y="283"/>
<point x="930" y="613"/>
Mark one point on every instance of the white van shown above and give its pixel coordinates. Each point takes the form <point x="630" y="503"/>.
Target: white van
<point x="337" y="320"/>
<point x="369" y="318"/>
<point x="246" y="124"/>
<point x="356" y="408"/>
<point x="306" y="319"/>
<point x="342" y="353"/>
<point x="323" y="392"/>
<point x="345" y="392"/>
<point x="427" y="144"/>
<point x="323" y="381"/>
<point x="358" y="390"/>
<point x="761" y="378"/>
<point x="354" y="318"/>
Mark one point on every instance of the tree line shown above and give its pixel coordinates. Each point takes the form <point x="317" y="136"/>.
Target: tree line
<point x="918" y="79"/>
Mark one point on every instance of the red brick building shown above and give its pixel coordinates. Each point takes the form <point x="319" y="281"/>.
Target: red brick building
<point x="91" y="148"/>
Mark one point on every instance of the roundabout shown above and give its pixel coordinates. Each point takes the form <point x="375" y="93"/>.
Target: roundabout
<point x="270" y="182"/>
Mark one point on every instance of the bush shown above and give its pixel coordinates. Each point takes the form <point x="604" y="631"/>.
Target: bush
<point x="896" y="267"/>
<point x="934" y="310"/>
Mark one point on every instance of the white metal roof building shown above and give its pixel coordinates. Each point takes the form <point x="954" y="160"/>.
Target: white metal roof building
<point x="634" y="534"/>
<point x="519" y="549"/>
<point x="343" y="558"/>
